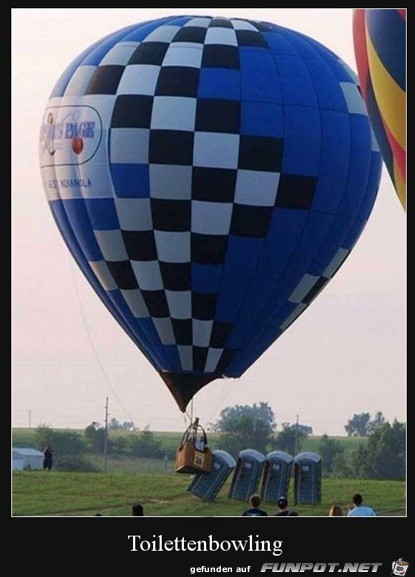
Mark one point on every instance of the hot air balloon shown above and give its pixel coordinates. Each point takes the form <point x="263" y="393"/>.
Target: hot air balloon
<point x="209" y="176"/>
<point x="379" y="37"/>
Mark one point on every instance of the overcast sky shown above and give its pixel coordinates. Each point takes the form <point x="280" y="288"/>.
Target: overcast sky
<point x="346" y="354"/>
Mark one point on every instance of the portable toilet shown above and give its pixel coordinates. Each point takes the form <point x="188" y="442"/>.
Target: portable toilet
<point x="307" y="478"/>
<point x="276" y="475"/>
<point x="207" y="485"/>
<point x="247" y="474"/>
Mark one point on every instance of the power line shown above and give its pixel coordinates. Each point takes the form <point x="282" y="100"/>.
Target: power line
<point x="91" y="341"/>
<point x="106" y="436"/>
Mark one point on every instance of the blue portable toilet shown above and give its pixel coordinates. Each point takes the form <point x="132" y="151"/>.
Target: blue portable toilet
<point x="207" y="485"/>
<point x="247" y="474"/>
<point x="276" y="476"/>
<point x="307" y="478"/>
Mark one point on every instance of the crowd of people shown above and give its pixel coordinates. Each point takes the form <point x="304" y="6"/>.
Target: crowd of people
<point x="255" y="509"/>
<point x="356" y="509"/>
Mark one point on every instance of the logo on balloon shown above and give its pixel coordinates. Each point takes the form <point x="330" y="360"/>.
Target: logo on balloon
<point x="77" y="144"/>
<point x="69" y="135"/>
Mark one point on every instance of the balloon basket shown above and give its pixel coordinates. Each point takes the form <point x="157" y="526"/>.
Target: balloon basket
<point x="193" y="455"/>
<point x="189" y="460"/>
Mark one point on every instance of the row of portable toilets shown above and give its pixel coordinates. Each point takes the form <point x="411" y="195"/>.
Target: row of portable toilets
<point x="268" y="475"/>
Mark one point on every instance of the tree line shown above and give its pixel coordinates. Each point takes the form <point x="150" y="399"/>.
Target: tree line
<point x="381" y="456"/>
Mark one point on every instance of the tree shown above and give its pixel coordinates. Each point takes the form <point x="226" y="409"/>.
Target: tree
<point x="306" y="428"/>
<point x="68" y="448"/>
<point x="341" y="467"/>
<point x="95" y="436"/>
<point x="358" y="425"/>
<point x="246" y="426"/>
<point x="290" y="438"/>
<point x="115" y="425"/>
<point x="361" y="425"/>
<point x="387" y="450"/>
<point x="119" y="445"/>
<point x="384" y="455"/>
<point x="64" y="443"/>
<point x="144" y="444"/>
<point x="359" y="463"/>
<point x="328" y="450"/>
<point x="376" y="422"/>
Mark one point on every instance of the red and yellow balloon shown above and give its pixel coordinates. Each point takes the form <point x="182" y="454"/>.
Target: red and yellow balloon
<point x="379" y="37"/>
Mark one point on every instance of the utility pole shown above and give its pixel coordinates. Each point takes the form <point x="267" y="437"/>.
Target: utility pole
<point x="30" y="418"/>
<point x="106" y="436"/>
<point x="296" y="437"/>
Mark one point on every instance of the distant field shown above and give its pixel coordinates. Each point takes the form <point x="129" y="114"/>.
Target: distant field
<point x="122" y="463"/>
<point x="26" y="437"/>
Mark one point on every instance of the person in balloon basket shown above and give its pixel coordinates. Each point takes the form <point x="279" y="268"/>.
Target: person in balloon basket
<point x="47" y="458"/>
<point x="255" y="509"/>
<point x="359" y="509"/>
<point x="283" y="510"/>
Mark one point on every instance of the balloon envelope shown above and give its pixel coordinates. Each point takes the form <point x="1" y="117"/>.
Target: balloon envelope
<point x="379" y="37"/>
<point x="209" y="176"/>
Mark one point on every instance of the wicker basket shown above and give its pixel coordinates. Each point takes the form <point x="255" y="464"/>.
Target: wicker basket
<point x="193" y="455"/>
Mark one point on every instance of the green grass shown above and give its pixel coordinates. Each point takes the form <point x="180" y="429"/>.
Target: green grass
<point x="54" y="493"/>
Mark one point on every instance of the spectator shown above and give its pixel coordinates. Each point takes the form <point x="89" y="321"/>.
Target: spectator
<point x="255" y="510"/>
<point x="137" y="510"/>
<point x="359" y="509"/>
<point x="47" y="458"/>
<point x="283" y="510"/>
<point x="336" y="511"/>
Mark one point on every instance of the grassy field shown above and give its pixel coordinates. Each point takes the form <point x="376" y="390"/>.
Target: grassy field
<point x="154" y="483"/>
<point x="54" y="493"/>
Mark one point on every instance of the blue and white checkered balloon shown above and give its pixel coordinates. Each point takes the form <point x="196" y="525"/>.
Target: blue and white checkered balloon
<point x="209" y="176"/>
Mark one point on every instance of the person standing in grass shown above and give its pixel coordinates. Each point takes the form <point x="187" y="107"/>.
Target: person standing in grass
<point x="47" y="458"/>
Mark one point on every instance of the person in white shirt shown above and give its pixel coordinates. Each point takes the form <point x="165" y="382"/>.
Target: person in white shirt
<point x="360" y="510"/>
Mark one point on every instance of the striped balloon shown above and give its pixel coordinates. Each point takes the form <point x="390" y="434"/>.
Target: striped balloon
<point x="379" y="37"/>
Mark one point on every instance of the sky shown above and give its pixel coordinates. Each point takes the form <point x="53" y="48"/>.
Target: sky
<point x="71" y="362"/>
